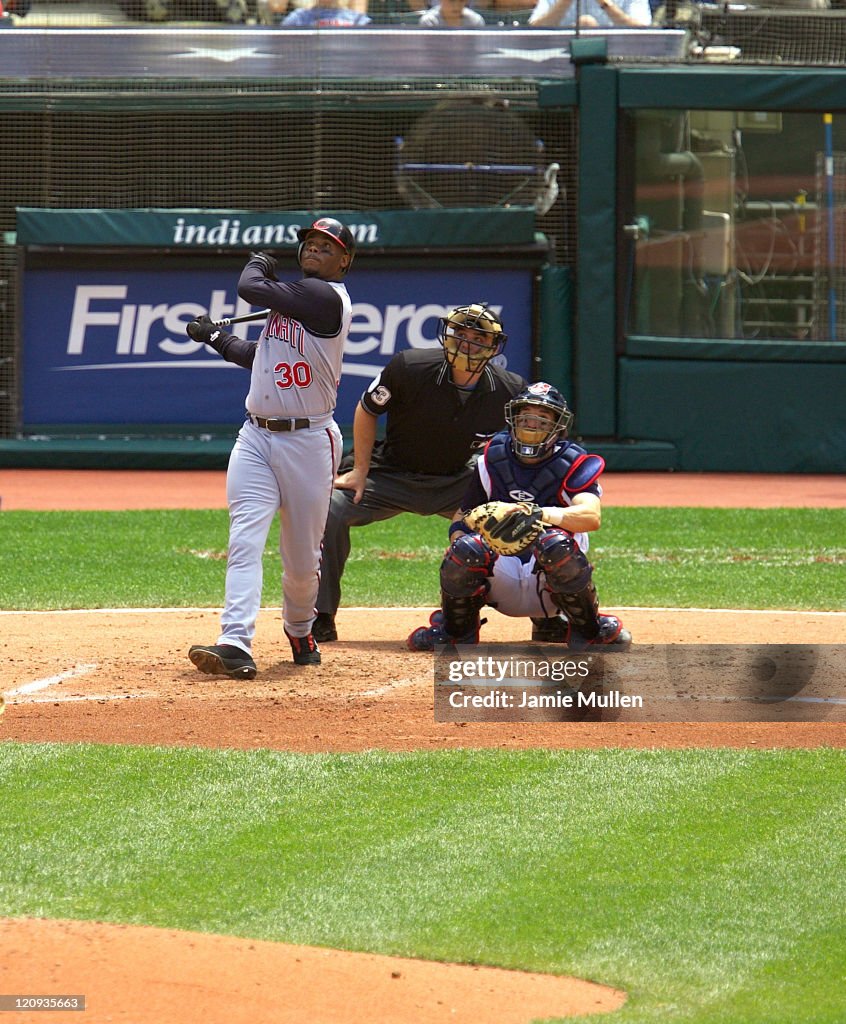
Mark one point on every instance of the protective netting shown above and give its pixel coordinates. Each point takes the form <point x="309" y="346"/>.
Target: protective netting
<point x="493" y="152"/>
<point x="778" y="32"/>
<point x="262" y="147"/>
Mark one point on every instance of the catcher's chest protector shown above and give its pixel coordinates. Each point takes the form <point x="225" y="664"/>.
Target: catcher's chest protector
<point x="511" y="481"/>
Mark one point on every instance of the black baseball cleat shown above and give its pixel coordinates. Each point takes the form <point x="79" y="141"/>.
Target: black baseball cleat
<point x="323" y="628"/>
<point x="552" y="630"/>
<point x="223" y="660"/>
<point x="304" y="648"/>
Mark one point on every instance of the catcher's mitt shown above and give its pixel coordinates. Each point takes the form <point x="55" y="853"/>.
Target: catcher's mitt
<point x="509" y="528"/>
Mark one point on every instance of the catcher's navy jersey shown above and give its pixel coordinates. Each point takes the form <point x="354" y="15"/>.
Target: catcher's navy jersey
<point x="500" y="476"/>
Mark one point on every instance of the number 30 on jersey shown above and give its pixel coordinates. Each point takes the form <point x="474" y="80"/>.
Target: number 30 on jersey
<point x="296" y="375"/>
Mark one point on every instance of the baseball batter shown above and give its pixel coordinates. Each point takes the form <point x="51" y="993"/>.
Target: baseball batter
<point x="550" y="581"/>
<point x="289" y="448"/>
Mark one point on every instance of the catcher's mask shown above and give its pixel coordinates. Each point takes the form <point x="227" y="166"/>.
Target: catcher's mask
<point x="333" y="229"/>
<point x="533" y="435"/>
<point x="471" y="336"/>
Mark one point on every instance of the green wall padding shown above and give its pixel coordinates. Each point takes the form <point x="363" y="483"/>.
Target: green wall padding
<point x="556" y="334"/>
<point x="738" y="417"/>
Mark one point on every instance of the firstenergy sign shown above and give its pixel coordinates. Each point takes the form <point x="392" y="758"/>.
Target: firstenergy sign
<point x="103" y="346"/>
<point x="101" y="312"/>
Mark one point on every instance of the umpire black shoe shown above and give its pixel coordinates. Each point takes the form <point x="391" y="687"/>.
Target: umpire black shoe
<point x="323" y="628"/>
<point x="304" y="649"/>
<point x="223" y="660"/>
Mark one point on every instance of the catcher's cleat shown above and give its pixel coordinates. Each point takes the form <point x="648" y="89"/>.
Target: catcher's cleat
<point x="611" y="634"/>
<point x="323" y="628"/>
<point x="304" y="649"/>
<point x="427" y="638"/>
<point x="223" y="660"/>
<point x="552" y="630"/>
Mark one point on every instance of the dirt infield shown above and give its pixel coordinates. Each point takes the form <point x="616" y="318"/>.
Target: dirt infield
<point x="123" y="677"/>
<point x="91" y="489"/>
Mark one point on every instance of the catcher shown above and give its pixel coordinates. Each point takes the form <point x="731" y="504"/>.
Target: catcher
<point x="521" y="548"/>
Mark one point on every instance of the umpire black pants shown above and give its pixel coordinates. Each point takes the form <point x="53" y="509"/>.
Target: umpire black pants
<point x="388" y="492"/>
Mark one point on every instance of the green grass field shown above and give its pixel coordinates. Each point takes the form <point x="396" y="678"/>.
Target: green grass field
<point x="706" y="883"/>
<point x="715" y="558"/>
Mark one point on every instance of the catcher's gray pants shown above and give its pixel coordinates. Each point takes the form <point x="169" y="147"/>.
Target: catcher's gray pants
<point x="387" y="493"/>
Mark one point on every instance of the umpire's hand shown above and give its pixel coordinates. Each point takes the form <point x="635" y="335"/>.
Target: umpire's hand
<point x="354" y="480"/>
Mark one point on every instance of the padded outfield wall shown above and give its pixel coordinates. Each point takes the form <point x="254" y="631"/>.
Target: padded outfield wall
<point x="673" y="258"/>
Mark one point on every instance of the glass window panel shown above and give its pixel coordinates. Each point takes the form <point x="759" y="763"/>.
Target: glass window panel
<point x="737" y="225"/>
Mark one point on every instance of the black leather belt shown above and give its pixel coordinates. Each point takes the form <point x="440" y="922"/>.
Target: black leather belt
<point x="278" y="424"/>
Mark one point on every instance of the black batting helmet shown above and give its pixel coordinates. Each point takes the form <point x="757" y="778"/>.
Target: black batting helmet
<point x="533" y="440"/>
<point x="333" y="229"/>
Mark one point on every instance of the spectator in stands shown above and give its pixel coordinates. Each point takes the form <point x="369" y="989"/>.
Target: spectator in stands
<point x="325" y="14"/>
<point x="451" y="14"/>
<point x="591" y="14"/>
<point x="391" y="12"/>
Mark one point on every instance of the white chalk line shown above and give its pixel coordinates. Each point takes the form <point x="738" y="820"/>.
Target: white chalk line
<point x="379" y="691"/>
<point x="42" y="684"/>
<point x="37" y="685"/>
<point x="77" y="698"/>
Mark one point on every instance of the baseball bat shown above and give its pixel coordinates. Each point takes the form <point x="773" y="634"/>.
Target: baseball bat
<point x="228" y="321"/>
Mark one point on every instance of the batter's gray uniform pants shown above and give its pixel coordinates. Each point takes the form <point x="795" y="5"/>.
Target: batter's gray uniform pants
<point x="288" y="473"/>
<point x="388" y="492"/>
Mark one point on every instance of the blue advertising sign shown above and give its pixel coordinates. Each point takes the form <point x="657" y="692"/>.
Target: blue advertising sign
<point x="110" y="347"/>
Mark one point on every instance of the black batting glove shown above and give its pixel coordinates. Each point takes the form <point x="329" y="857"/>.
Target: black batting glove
<point x="204" y="330"/>
<point x="266" y="262"/>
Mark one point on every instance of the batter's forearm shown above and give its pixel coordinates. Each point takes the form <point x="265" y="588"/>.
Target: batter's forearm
<point x="237" y="350"/>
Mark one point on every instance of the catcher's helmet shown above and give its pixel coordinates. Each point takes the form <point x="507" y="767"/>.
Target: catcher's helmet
<point x="333" y="229"/>
<point x="532" y="437"/>
<point x="471" y="355"/>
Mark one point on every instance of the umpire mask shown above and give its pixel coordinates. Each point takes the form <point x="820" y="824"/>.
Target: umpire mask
<point x="471" y="336"/>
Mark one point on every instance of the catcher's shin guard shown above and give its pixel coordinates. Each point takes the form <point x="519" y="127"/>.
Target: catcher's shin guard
<point x="562" y="561"/>
<point x="465" y="573"/>
<point x="587" y="627"/>
<point x="461" y="615"/>
<point x="467" y="565"/>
